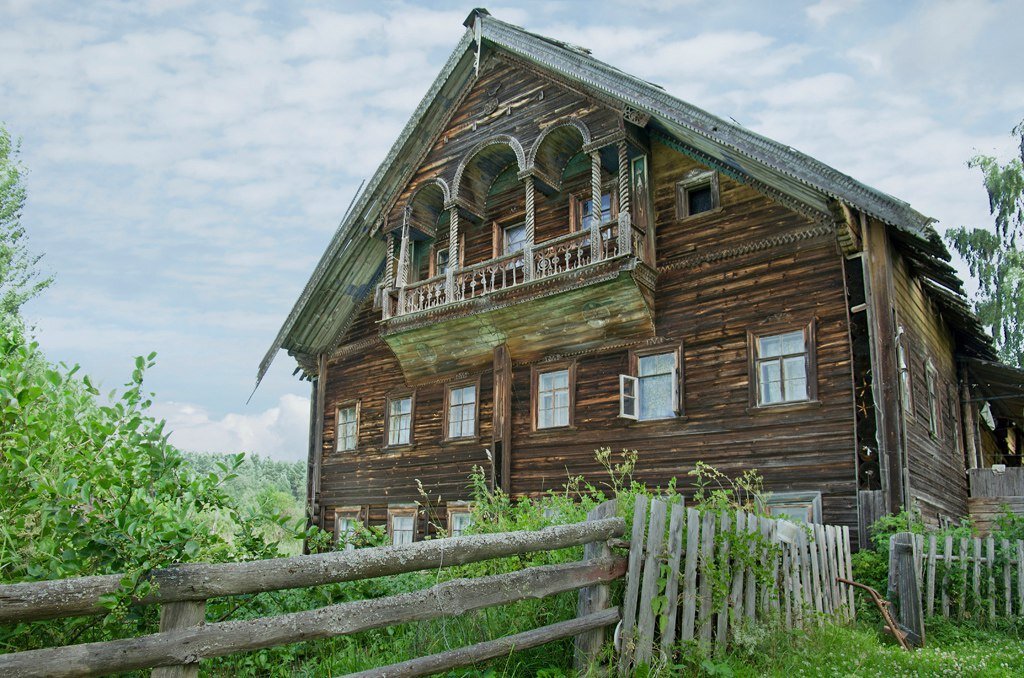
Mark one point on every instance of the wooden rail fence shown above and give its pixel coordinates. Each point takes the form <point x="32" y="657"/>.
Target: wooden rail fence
<point x="723" y="569"/>
<point x="690" y="576"/>
<point x="184" y="639"/>
<point x="955" y="577"/>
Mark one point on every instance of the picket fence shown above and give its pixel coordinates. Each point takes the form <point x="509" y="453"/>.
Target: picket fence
<point x="764" y="569"/>
<point x="969" y="578"/>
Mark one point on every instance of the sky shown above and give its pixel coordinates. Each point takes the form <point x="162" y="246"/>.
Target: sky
<point x="190" y="161"/>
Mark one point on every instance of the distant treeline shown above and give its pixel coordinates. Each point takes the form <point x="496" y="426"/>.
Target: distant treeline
<point x="255" y="476"/>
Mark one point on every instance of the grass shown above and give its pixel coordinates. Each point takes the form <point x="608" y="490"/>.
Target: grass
<point x="953" y="650"/>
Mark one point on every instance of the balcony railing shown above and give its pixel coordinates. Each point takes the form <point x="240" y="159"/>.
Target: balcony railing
<point x="552" y="257"/>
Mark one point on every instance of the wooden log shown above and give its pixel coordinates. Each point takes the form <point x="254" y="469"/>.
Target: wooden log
<point x="690" y="574"/>
<point x="707" y="559"/>
<point x="722" y="559"/>
<point x="201" y="581"/>
<point x="1007" y="557"/>
<point x="629" y="600"/>
<point x="675" y="552"/>
<point x="181" y="615"/>
<point x="649" y="588"/>
<point x="903" y="579"/>
<point x="183" y="646"/>
<point x="930" y="577"/>
<point x="491" y="649"/>
<point x="947" y="558"/>
<point x="593" y="598"/>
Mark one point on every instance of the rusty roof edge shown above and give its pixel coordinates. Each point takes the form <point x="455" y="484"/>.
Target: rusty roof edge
<point x="343" y="231"/>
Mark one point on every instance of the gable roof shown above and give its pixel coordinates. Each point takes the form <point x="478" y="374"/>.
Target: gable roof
<point x="354" y="259"/>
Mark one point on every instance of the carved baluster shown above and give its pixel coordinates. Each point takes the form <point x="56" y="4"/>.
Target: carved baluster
<point x="530" y="228"/>
<point x="453" y="252"/>
<point x="625" y="218"/>
<point x="595" y="205"/>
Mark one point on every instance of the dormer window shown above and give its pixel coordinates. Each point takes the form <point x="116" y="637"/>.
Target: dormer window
<point x="697" y="193"/>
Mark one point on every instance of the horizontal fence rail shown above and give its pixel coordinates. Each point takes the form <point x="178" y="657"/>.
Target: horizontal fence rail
<point x="184" y="639"/>
<point x="34" y="601"/>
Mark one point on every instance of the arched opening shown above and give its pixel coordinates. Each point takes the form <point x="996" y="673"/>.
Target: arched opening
<point x="428" y="229"/>
<point x="490" y="189"/>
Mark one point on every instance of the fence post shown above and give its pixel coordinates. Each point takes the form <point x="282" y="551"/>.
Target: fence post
<point x="593" y="598"/>
<point x="903" y="582"/>
<point x="179" y="616"/>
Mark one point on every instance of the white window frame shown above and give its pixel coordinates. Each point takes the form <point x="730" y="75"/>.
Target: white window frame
<point x="570" y="388"/>
<point x="450" y="408"/>
<point x="455" y="516"/>
<point x="350" y="518"/>
<point x="630" y="391"/>
<point x="389" y="424"/>
<point x="338" y="437"/>
<point x="756" y="360"/>
<point x="402" y="515"/>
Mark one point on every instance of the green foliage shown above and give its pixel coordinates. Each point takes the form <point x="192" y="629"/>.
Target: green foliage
<point x="89" y="485"/>
<point x="994" y="258"/>
<point x="20" y="279"/>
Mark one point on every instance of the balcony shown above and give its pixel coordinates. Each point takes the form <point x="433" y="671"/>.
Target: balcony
<point x="560" y="296"/>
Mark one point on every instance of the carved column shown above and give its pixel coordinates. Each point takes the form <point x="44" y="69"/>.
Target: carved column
<point x="453" y="254"/>
<point x="530" y="228"/>
<point x="625" y="217"/>
<point x="595" y="206"/>
<point x="403" y="268"/>
<point x="389" y="274"/>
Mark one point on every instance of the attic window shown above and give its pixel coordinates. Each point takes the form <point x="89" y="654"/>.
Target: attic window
<point x="697" y="193"/>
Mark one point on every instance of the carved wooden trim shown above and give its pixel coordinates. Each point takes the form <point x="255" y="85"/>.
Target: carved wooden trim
<point x="694" y="260"/>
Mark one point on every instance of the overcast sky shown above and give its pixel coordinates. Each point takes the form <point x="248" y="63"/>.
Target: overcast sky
<point x="189" y="161"/>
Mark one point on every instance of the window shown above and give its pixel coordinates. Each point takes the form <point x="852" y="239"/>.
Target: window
<point x="398" y="425"/>
<point x="782" y="367"/>
<point x="697" y="193"/>
<point x="441" y="262"/>
<point x="345" y="525"/>
<point x="403" y="527"/>
<point x="904" y="368"/>
<point x="553" y="396"/>
<point x="931" y="378"/>
<point x="458" y="522"/>
<point x="347" y="427"/>
<point x="513" y="238"/>
<point x="652" y="391"/>
<point x="803" y="507"/>
<point x="585" y="208"/>
<point x="461" y="415"/>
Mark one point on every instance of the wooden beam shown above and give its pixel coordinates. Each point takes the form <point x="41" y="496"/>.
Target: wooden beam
<point x="33" y="601"/>
<point x="502" y="418"/>
<point x="451" y="598"/>
<point x="465" y="656"/>
<point x="886" y="380"/>
<point x="184" y="615"/>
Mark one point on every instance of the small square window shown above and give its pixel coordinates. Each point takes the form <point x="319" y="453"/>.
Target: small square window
<point x="782" y="367"/>
<point x="652" y="391"/>
<point x="403" y="528"/>
<point x="459" y="522"/>
<point x="697" y="193"/>
<point x="345" y="527"/>
<point x="441" y="262"/>
<point x="462" y="401"/>
<point x="553" y="399"/>
<point x="347" y="428"/>
<point x="513" y="238"/>
<point x="399" y="421"/>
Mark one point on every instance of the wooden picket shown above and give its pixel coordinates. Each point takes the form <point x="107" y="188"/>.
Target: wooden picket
<point x="767" y="569"/>
<point x="969" y="578"/>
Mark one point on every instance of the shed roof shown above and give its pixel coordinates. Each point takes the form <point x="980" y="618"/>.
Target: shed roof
<point x="354" y="259"/>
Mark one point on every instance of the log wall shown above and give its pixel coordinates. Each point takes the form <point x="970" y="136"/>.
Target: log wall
<point x="751" y="264"/>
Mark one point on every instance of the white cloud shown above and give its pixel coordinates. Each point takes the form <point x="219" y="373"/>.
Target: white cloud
<point x="824" y="11"/>
<point x="280" y="431"/>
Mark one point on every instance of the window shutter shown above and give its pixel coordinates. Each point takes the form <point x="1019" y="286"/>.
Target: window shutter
<point x="628" y="401"/>
<point x="676" y="405"/>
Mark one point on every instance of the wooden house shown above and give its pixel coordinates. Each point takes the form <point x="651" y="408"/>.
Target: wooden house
<point x="556" y="256"/>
